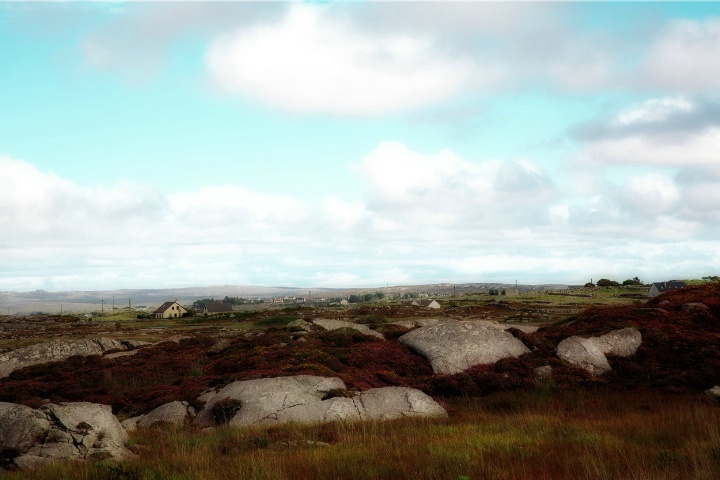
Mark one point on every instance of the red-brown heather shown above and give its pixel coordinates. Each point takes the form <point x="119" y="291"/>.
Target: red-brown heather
<point x="680" y="352"/>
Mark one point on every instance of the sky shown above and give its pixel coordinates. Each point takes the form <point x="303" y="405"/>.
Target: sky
<point x="357" y="144"/>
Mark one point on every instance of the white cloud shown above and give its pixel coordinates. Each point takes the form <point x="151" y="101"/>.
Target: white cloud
<point x="672" y="132"/>
<point x="700" y="149"/>
<point x="650" y="194"/>
<point x="310" y="63"/>
<point x="397" y="175"/>
<point x="445" y="218"/>
<point x="655" y="110"/>
<point x="684" y="57"/>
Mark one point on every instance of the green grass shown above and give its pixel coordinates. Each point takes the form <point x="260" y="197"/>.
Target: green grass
<point x="539" y="435"/>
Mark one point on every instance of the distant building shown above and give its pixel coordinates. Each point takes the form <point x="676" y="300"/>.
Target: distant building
<point x="214" y="308"/>
<point x="661" y="287"/>
<point x="426" y="303"/>
<point x="170" y="310"/>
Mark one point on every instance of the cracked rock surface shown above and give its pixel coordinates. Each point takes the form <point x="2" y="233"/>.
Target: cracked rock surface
<point x="454" y="346"/>
<point x="76" y="430"/>
<point x="329" y="324"/>
<point x="307" y="399"/>
<point x="173" y="413"/>
<point x="54" y="351"/>
<point x="589" y="353"/>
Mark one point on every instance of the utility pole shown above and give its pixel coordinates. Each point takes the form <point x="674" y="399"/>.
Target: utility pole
<point x="102" y="308"/>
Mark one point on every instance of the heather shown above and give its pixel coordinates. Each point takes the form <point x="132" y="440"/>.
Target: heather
<point x="680" y="352"/>
<point x="645" y="419"/>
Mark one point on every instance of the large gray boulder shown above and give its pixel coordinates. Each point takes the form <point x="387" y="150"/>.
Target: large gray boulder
<point x="66" y="431"/>
<point x="454" y="346"/>
<point x="309" y="399"/>
<point x="21" y="427"/>
<point x="589" y="353"/>
<point x="395" y="402"/>
<point x="329" y="324"/>
<point x="262" y="399"/>
<point x="585" y="353"/>
<point x="54" y="351"/>
<point x="623" y="343"/>
<point x="173" y="413"/>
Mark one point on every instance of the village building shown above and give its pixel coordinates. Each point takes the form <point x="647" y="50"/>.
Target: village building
<point x="170" y="310"/>
<point x="215" y="308"/>
<point x="661" y="287"/>
<point x="426" y="303"/>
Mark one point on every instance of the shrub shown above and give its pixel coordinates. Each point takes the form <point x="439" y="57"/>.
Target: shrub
<point x="224" y="410"/>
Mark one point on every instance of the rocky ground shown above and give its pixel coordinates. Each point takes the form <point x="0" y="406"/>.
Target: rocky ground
<point x="670" y="343"/>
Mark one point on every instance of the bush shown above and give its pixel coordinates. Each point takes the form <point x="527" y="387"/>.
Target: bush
<point x="224" y="410"/>
<point x="604" y="282"/>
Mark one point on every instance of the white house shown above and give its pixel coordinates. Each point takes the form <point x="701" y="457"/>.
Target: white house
<point x="170" y="310"/>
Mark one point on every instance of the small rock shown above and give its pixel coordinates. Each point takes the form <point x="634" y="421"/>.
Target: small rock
<point x="219" y="346"/>
<point x="714" y="391"/>
<point x="543" y="374"/>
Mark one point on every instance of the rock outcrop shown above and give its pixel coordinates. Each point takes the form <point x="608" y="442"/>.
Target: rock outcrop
<point x="329" y="324"/>
<point x="454" y="346"/>
<point x="173" y="413"/>
<point x="419" y="322"/>
<point x="585" y="353"/>
<point x="713" y="392"/>
<point x="219" y="346"/>
<point x="65" y="431"/>
<point x="307" y="399"/>
<point x="54" y="351"/>
<point x="589" y="353"/>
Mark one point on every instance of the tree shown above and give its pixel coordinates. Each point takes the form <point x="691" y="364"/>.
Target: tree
<point x="604" y="282"/>
<point x="633" y="281"/>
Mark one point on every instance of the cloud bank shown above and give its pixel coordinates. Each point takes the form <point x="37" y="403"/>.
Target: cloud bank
<point x="436" y="213"/>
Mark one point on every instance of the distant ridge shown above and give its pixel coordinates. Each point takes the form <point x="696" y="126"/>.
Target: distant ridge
<point x="87" y="300"/>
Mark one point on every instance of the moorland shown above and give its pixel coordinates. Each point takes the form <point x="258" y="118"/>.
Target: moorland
<point x="647" y="418"/>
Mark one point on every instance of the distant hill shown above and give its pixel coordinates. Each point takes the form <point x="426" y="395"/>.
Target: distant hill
<point x="75" y="301"/>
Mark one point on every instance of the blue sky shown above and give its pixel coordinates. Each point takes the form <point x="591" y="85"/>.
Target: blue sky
<point x="357" y="143"/>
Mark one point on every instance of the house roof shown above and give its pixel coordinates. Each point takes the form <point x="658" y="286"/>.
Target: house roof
<point x="667" y="286"/>
<point x="218" y="307"/>
<point x="162" y="308"/>
<point x="424" y="303"/>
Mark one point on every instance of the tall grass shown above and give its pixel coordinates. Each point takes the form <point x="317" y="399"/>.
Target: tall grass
<point x="538" y="435"/>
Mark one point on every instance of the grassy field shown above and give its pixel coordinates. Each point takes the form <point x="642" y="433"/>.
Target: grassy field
<point x="539" y="434"/>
